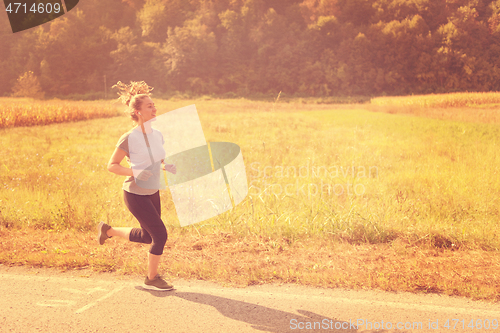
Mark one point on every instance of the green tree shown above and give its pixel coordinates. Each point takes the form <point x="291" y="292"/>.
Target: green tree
<point x="190" y="57"/>
<point x="398" y="54"/>
<point x="357" y="12"/>
<point x="157" y="16"/>
<point x="133" y="59"/>
<point x="462" y="43"/>
<point x="76" y="55"/>
<point x="312" y="10"/>
<point x="27" y="85"/>
<point x="237" y="48"/>
<point x="8" y="74"/>
<point x="493" y="52"/>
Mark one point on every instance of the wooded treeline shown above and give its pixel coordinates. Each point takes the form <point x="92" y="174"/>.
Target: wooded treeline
<point x="245" y="47"/>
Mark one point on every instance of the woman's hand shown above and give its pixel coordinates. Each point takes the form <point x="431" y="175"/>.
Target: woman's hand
<point x="144" y="175"/>
<point x="170" y="168"/>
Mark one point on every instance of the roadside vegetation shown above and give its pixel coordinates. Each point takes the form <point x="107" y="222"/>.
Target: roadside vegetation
<point x="15" y="112"/>
<point x="464" y="99"/>
<point x="339" y="196"/>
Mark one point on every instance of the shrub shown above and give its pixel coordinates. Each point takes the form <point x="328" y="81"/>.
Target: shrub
<point x="27" y="85"/>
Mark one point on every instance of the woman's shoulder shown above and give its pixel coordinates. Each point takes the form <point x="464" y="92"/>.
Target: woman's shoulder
<point x="159" y="135"/>
<point x="157" y="132"/>
<point x="124" y="136"/>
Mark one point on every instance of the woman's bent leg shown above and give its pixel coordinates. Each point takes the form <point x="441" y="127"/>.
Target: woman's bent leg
<point x="120" y="232"/>
<point x="146" y="209"/>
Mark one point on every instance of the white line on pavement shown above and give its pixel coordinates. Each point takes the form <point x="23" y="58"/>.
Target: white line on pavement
<point x="88" y="306"/>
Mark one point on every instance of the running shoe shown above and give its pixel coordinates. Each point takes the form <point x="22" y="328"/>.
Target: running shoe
<point x="157" y="284"/>
<point x="102" y="235"/>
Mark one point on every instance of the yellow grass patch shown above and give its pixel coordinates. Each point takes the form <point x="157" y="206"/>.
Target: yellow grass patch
<point x="488" y="99"/>
<point x="28" y="112"/>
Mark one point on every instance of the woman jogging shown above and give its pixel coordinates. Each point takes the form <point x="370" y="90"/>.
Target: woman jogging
<point x="141" y="146"/>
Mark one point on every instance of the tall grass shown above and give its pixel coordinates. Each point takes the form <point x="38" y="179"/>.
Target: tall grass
<point x="28" y="112"/>
<point x="442" y="100"/>
<point x="316" y="171"/>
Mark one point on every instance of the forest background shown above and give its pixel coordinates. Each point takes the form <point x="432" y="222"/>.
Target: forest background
<point x="260" y="47"/>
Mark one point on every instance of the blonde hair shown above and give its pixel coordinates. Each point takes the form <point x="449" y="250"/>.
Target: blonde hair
<point x="132" y="96"/>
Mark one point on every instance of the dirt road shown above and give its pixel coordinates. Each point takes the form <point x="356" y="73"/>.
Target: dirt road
<point x="34" y="300"/>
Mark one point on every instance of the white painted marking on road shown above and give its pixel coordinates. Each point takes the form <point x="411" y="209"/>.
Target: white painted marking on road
<point x="73" y="291"/>
<point x="88" y="306"/>
<point x="54" y="303"/>
<point x="87" y="292"/>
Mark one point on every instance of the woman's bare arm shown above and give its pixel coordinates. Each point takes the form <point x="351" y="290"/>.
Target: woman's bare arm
<point x="114" y="163"/>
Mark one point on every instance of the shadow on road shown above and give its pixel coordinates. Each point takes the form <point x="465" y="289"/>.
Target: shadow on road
<point x="266" y="319"/>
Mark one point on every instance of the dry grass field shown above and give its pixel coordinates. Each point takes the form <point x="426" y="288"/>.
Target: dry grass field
<point x="452" y="100"/>
<point x="15" y="112"/>
<point x="391" y="197"/>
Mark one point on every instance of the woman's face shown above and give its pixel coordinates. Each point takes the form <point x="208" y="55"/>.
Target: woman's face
<point x="148" y="110"/>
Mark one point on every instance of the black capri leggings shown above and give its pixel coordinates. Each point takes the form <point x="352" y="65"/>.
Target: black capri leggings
<point x="147" y="210"/>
